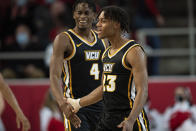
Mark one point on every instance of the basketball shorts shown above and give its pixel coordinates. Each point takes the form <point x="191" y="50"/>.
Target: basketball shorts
<point x="109" y="122"/>
<point x="89" y="121"/>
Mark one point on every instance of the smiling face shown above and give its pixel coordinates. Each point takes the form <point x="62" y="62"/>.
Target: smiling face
<point x="105" y="27"/>
<point x="83" y="16"/>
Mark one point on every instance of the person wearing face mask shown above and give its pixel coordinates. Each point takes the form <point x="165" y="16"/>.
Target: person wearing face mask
<point x="22" y="39"/>
<point x="25" y="43"/>
<point x="182" y="115"/>
<point x="23" y="36"/>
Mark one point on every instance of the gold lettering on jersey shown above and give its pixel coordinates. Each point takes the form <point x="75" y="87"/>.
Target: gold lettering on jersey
<point x="92" y="55"/>
<point x="107" y="67"/>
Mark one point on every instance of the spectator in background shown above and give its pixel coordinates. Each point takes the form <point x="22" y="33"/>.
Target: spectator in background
<point x="154" y="117"/>
<point x="182" y="115"/>
<point x="20" y="11"/>
<point x="43" y="23"/>
<point x="50" y="116"/>
<point x="24" y="68"/>
<point x="47" y="56"/>
<point x="61" y="17"/>
<point x="148" y="16"/>
<point x="25" y="40"/>
<point x="10" y="98"/>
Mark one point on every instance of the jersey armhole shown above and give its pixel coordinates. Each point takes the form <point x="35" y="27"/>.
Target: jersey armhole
<point x="73" y="45"/>
<point x="104" y="44"/>
<point x="128" y="67"/>
<point x="104" y="53"/>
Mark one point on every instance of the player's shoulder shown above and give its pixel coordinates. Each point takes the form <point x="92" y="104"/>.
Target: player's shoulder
<point x="63" y="36"/>
<point x="62" y="42"/>
<point x="135" y="50"/>
<point x="134" y="45"/>
<point x="131" y="42"/>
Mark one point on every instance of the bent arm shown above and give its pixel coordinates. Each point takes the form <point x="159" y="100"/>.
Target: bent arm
<point x="92" y="98"/>
<point x="137" y="59"/>
<point x="60" y="46"/>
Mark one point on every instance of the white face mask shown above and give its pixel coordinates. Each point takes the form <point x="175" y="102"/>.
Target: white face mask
<point x="49" y="1"/>
<point x="22" y="39"/>
<point x="21" y="2"/>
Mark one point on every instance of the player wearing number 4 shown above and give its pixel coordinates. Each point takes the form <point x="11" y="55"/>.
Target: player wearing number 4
<point x="124" y="86"/>
<point x="77" y="56"/>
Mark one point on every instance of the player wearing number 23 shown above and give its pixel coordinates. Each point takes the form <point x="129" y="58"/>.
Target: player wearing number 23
<point x="124" y="88"/>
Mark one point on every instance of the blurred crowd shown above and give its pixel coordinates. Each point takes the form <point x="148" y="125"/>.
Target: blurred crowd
<point x="31" y="26"/>
<point x="181" y="116"/>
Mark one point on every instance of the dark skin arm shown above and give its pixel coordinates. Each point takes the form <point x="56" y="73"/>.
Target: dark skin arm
<point x="11" y="100"/>
<point x="92" y="98"/>
<point x="61" y="44"/>
<point x="137" y="59"/>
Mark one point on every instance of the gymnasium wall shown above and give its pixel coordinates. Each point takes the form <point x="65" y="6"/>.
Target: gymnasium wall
<point x="30" y="95"/>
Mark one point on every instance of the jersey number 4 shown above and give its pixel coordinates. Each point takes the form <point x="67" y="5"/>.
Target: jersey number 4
<point x="109" y="83"/>
<point x="95" y="71"/>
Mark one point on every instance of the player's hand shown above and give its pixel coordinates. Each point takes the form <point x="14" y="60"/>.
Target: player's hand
<point x="25" y="122"/>
<point x="75" y="103"/>
<point x="126" y="125"/>
<point x="68" y="110"/>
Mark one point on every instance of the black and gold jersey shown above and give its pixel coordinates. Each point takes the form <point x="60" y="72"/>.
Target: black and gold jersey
<point x="82" y="70"/>
<point x="118" y="83"/>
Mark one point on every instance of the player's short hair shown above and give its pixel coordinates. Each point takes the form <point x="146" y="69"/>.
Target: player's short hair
<point x="90" y="3"/>
<point x="117" y="14"/>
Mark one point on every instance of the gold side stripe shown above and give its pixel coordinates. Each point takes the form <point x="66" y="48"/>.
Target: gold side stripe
<point x="139" y="125"/>
<point x="104" y="44"/>
<point x="129" y="97"/>
<point x="74" y="47"/>
<point x="65" y="88"/>
<point x="129" y="90"/>
<point x="70" y="79"/>
<point x="145" y="120"/>
<point x="104" y="53"/>
<point x="64" y="122"/>
<point x="69" y="127"/>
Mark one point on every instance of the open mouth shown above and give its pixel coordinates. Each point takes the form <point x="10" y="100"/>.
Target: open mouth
<point x="83" y="22"/>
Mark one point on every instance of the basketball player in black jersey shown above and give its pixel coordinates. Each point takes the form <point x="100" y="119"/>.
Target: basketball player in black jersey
<point x="77" y="56"/>
<point x="124" y="87"/>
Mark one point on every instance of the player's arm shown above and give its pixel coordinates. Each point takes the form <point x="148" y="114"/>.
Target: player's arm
<point x="61" y="44"/>
<point x="95" y="96"/>
<point x="59" y="47"/>
<point x="92" y="98"/>
<point x="11" y="100"/>
<point x="137" y="59"/>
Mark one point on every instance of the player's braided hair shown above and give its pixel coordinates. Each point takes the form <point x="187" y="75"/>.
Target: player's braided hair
<point x="117" y="14"/>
